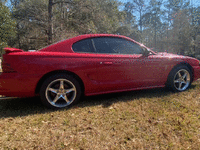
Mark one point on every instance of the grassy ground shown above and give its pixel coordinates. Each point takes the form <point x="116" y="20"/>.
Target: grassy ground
<point x="148" y="119"/>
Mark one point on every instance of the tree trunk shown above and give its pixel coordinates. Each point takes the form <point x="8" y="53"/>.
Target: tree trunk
<point x="50" y="22"/>
<point x="141" y="21"/>
<point x="155" y="38"/>
<point x="18" y="36"/>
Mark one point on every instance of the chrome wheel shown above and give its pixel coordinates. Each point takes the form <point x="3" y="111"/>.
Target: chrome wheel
<point x="182" y="80"/>
<point x="60" y="93"/>
<point x="179" y="78"/>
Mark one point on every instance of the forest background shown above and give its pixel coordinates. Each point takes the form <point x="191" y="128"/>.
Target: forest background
<point x="162" y="25"/>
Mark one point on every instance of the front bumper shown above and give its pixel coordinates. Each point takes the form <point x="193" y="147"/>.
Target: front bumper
<point x="196" y="70"/>
<point x="18" y="85"/>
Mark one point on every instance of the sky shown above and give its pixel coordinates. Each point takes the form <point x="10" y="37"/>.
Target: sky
<point x="195" y="3"/>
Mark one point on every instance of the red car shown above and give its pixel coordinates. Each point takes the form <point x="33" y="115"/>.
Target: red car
<point x="89" y="65"/>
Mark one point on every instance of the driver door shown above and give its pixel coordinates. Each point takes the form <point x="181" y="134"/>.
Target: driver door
<point x="122" y="64"/>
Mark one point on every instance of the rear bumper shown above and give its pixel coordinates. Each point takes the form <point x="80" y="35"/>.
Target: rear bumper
<point x="18" y="85"/>
<point x="196" y="72"/>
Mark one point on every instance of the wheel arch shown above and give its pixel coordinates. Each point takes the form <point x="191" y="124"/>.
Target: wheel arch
<point x="44" y="77"/>
<point x="184" y="64"/>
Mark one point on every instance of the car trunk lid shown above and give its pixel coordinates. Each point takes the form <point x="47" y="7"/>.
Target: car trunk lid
<point x="11" y="50"/>
<point x="6" y="61"/>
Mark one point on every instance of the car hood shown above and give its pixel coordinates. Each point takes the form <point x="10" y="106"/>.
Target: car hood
<point x="192" y="61"/>
<point x="170" y="55"/>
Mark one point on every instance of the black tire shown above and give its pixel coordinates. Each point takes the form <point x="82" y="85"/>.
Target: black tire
<point x="179" y="79"/>
<point x="60" y="91"/>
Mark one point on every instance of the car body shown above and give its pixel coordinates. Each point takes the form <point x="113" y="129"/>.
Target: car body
<point x="89" y="65"/>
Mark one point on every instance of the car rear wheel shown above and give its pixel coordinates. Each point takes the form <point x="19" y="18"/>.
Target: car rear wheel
<point x="60" y="91"/>
<point x="180" y="79"/>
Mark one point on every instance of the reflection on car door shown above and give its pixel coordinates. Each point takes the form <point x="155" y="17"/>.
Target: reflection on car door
<point x="114" y="67"/>
<point x="123" y="66"/>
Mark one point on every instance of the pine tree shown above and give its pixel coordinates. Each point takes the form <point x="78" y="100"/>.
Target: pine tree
<point x="7" y="26"/>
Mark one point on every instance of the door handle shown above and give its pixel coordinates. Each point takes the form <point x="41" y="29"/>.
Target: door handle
<point x="107" y="63"/>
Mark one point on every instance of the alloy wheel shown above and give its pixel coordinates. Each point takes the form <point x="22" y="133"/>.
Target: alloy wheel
<point x="182" y="80"/>
<point x="60" y="93"/>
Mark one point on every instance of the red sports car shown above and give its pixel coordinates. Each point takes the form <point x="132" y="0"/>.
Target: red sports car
<point x="89" y="65"/>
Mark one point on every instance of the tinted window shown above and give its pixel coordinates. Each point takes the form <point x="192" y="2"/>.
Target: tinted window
<point x="116" y="45"/>
<point x="83" y="46"/>
<point x="102" y="45"/>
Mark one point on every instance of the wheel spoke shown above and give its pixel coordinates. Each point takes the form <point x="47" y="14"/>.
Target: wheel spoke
<point x="179" y="74"/>
<point x="65" y="98"/>
<point x="180" y="84"/>
<point x="56" y="98"/>
<point x="53" y="90"/>
<point x="184" y="82"/>
<point x="69" y="90"/>
<point x="185" y="75"/>
<point x="61" y="84"/>
<point x="176" y="81"/>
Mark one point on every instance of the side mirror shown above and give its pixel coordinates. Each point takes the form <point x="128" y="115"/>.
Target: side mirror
<point x="145" y="52"/>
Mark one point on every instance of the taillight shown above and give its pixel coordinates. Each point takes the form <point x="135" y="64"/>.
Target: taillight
<point x="6" y="67"/>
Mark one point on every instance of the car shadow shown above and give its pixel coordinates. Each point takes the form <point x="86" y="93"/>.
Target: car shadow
<point x="106" y="100"/>
<point x="15" y="107"/>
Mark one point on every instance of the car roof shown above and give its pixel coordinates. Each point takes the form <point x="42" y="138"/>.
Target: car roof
<point x="66" y="45"/>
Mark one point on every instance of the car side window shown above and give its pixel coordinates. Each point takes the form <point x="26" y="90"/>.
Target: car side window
<point x="84" y="46"/>
<point x="102" y="45"/>
<point x="116" y="46"/>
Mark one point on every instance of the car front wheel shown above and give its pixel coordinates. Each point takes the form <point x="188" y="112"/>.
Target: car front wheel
<point x="180" y="79"/>
<point x="60" y="91"/>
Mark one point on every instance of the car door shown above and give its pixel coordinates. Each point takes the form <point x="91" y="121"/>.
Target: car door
<point x="103" y="68"/>
<point x="119" y="68"/>
<point x="116" y="64"/>
<point x="123" y="65"/>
